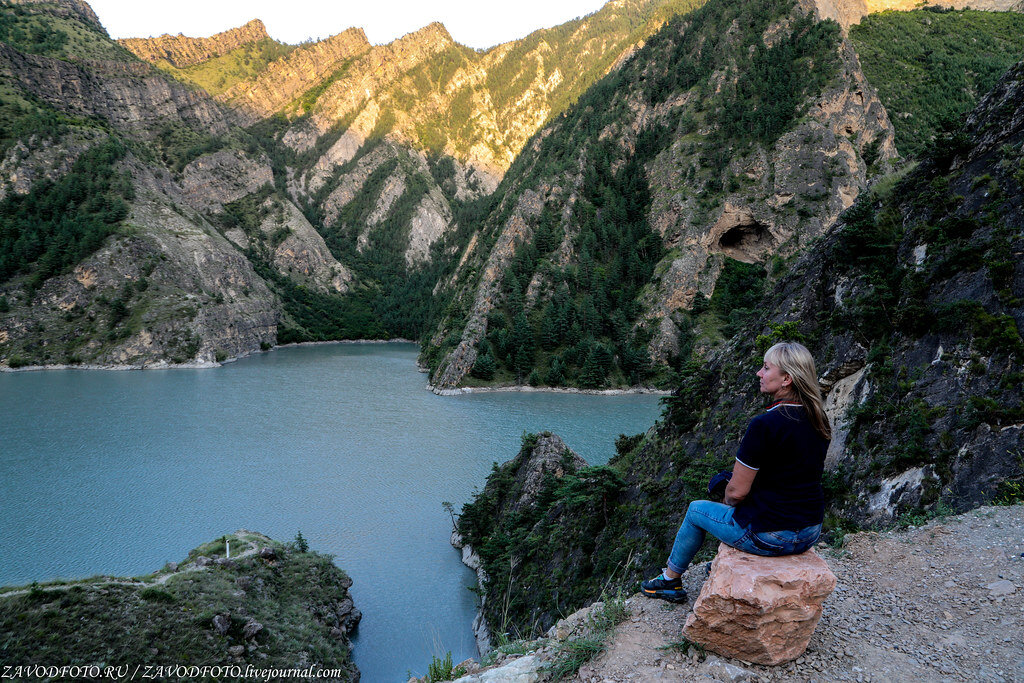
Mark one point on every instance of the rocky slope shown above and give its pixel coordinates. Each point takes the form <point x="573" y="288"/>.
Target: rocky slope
<point x="913" y="309"/>
<point x="266" y="606"/>
<point x="956" y="621"/>
<point x="716" y="188"/>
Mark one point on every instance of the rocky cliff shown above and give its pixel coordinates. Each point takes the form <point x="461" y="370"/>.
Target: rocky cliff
<point x="242" y="600"/>
<point x="127" y="95"/>
<point x="181" y="51"/>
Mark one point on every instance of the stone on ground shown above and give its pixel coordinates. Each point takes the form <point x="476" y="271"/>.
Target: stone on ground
<point x="760" y="609"/>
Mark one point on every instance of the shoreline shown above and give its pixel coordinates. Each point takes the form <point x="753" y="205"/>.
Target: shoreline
<point x="481" y="633"/>
<point x="194" y="365"/>
<point x="526" y="388"/>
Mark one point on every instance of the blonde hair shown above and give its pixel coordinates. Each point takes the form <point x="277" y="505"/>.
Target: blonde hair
<point x="796" y="361"/>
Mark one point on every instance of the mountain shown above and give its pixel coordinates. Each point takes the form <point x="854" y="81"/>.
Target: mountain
<point x="199" y="227"/>
<point x="235" y="193"/>
<point x="913" y="307"/>
<point x="181" y="51"/>
<point x="712" y="150"/>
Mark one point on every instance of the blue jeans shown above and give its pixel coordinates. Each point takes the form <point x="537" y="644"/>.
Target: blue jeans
<point x="705" y="516"/>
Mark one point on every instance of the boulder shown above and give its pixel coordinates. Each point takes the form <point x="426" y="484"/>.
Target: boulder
<point x="222" y="623"/>
<point x="522" y="670"/>
<point x="251" y="628"/>
<point x="760" y="609"/>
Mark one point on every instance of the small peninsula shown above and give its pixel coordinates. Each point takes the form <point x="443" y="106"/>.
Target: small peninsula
<point x="242" y="602"/>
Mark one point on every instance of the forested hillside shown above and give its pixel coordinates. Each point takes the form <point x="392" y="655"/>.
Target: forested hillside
<point x="932" y="65"/>
<point x="913" y="307"/>
<point x="708" y="151"/>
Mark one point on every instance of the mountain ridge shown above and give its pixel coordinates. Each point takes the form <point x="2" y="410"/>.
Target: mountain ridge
<point x="181" y="51"/>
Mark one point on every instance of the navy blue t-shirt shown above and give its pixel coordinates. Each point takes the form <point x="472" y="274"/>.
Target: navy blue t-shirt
<point x="789" y="456"/>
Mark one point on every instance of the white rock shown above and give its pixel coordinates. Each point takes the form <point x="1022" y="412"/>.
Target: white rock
<point x="522" y="670"/>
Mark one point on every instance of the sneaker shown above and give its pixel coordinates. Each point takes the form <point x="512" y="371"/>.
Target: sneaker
<point x="666" y="589"/>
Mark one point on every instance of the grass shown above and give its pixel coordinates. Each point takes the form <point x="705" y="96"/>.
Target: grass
<point x="683" y="647"/>
<point x="575" y="652"/>
<point x="220" y="73"/>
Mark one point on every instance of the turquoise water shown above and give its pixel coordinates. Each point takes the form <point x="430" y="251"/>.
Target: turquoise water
<point x="121" y="472"/>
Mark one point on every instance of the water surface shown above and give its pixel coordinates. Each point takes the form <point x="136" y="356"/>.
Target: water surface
<point x="121" y="472"/>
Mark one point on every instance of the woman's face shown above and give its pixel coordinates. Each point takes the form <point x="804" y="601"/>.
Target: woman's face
<point x="773" y="380"/>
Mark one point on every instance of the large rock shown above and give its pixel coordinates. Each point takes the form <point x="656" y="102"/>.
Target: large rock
<point x="760" y="609"/>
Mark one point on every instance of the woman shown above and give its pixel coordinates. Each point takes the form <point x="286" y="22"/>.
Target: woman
<point x="774" y="504"/>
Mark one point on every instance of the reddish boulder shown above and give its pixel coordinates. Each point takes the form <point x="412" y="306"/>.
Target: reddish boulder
<point x="760" y="609"/>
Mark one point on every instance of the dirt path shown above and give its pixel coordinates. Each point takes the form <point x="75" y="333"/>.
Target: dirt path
<point x="161" y="578"/>
<point x="943" y="602"/>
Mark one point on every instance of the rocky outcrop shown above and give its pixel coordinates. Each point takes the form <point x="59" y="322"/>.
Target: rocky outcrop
<point x="760" y="609"/>
<point x="291" y="75"/>
<point x="185" y="295"/>
<point x="792" y="194"/>
<point x="29" y="161"/>
<point x="429" y="223"/>
<point x="216" y="179"/>
<point x="374" y="72"/>
<point x="516" y="492"/>
<point x="515" y="232"/>
<point x="181" y="51"/>
<point x="470" y="558"/>
<point x="129" y="95"/>
<point x="350" y="185"/>
<point x="302" y="254"/>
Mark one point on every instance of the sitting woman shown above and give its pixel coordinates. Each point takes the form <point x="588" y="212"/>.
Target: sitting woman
<point x="774" y="504"/>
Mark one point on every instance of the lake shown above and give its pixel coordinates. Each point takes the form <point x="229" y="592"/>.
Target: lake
<point x="120" y="472"/>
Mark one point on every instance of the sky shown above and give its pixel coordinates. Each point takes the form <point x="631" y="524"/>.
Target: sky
<point x="475" y="23"/>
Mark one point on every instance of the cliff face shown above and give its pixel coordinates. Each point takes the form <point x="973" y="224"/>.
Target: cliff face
<point x="127" y="95"/>
<point x="168" y="290"/>
<point x="181" y="51"/>
<point x="210" y="607"/>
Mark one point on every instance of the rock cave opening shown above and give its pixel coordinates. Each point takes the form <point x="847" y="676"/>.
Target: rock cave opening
<point x="748" y="241"/>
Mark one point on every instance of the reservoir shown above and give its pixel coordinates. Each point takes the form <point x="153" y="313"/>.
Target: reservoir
<point x="121" y="472"/>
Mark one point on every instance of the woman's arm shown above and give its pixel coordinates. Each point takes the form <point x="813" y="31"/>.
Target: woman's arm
<point x="739" y="485"/>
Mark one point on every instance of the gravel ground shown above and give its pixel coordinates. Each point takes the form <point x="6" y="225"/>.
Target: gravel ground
<point x="942" y="602"/>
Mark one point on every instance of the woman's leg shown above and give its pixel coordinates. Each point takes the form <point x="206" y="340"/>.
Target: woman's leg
<point x="702" y="516"/>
